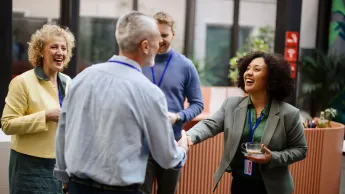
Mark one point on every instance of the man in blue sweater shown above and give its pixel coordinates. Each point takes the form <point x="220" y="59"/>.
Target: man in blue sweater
<point x="177" y="77"/>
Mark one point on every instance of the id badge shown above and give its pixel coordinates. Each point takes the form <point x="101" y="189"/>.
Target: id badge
<point x="248" y="167"/>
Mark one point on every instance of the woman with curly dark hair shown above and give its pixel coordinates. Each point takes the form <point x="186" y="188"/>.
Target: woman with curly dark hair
<point x="262" y="134"/>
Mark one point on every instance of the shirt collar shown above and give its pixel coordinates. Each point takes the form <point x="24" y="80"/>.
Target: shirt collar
<point x="38" y="70"/>
<point x="265" y="111"/>
<point x="163" y="56"/>
<point x="126" y="60"/>
<point x="40" y="73"/>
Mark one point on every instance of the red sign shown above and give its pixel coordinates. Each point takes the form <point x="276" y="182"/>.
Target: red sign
<point x="291" y="54"/>
<point x="291" y="39"/>
<point x="293" y="70"/>
<point x="291" y="51"/>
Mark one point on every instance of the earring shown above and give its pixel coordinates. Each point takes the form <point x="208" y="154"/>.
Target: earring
<point x="42" y="56"/>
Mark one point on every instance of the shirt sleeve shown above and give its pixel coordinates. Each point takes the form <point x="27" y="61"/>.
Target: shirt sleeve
<point x="183" y="161"/>
<point x="160" y="137"/>
<point x="209" y="127"/>
<point x="60" y="166"/>
<point x="14" y="119"/>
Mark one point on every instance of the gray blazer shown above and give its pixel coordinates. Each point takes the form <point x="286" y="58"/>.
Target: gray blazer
<point x="283" y="135"/>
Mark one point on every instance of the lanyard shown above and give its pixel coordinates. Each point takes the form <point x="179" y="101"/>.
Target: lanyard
<point x="60" y="98"/>
<point x="125" y="64"/>
<point x="165" y="68"/>
<point x="252" y="129"/>
<point x="60" y="95"/>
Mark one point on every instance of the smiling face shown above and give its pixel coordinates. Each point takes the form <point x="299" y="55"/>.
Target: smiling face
<point x="255" y="77"/>
<point x="54" y="54"/>
<point x="167" y="37"/>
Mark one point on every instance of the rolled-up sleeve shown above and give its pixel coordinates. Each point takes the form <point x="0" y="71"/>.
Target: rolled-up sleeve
<point x="183" y="161"/>
<point x="14" y="121"/>
<point x="209" y="127"/>
<point x="160" y="137"/>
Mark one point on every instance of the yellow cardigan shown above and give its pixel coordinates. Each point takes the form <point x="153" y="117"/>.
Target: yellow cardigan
<point x="30" y="95"/>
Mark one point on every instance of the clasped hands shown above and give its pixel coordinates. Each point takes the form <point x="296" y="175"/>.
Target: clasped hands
<point x="185" y="141"/>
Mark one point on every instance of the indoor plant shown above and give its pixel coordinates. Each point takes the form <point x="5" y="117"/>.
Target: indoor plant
<point x="323" y="78"/>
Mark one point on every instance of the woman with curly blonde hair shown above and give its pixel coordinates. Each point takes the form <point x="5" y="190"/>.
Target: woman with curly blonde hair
<point x="32" y="111"/>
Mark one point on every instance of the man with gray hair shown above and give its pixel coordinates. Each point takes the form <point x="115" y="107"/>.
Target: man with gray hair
<point x="113" y="116"/>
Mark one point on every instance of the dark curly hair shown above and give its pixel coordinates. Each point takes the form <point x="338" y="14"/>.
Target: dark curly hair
<point x="280" y="83"/>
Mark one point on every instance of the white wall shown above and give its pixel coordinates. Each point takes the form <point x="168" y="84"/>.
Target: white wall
<point x="253" y="13"/>
<point x="4" y="162"/>
<point x="38" y="8"/>
<point x="309" y="23"/>
<point x="51" y="8"/>
<point x="104" y="8"/>
<point x="108" y="9"/>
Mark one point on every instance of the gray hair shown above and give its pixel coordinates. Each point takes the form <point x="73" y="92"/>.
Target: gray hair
<point x="132" y="28"/>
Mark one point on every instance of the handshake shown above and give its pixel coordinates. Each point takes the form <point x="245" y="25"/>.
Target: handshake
<point x="185" y="142"/>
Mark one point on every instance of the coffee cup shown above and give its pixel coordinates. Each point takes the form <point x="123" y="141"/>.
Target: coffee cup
<point x="251" y="148"/>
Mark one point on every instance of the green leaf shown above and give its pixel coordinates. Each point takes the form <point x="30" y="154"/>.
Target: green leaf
<point x="333" y="32"/>
<point x="324" y="77"/>
<point x="233" y="61"/>
<point x="338" y="7"/>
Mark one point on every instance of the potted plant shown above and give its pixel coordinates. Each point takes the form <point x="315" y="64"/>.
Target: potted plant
<point x="262" y="41"/>
<point x="323" y="78"/>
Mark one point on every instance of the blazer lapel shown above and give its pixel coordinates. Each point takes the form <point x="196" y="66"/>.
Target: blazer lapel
<point x="240" y="114"/>
<point x="62" y="80"/>
<point x="271" y="124"/>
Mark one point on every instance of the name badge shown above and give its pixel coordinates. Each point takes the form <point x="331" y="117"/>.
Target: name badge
<point x="248" y="167"/>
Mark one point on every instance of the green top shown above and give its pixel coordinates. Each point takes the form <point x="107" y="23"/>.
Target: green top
<point x="237" y="165"/>
<point x="260" y="129"/>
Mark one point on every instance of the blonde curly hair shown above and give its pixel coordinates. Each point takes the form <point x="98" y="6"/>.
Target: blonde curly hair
<point x="41" y="36"/>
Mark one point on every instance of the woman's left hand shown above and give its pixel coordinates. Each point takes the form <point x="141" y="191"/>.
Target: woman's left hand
<point x="262" y="160"/>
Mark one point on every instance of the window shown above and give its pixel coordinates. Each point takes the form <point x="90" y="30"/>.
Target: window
<point x="96" y="41"/>
<point x="22" y="29"/>
<point x="218" y="51"/>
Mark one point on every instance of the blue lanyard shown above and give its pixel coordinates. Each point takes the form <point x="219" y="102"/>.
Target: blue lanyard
<point x="125" y="64"/>
<point x="251" y="128"/>
<point x="165" y="68"/>
<point x="60" y="98"/>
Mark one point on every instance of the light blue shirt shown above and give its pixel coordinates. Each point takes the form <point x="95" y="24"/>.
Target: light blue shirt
<point x="111" y="118"/>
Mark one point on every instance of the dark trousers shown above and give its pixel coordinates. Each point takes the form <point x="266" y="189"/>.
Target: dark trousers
<point x="241" y="185"/>
<point x="167" y="179"/>
<point x="32" y="175"/>
<point x="77" y="188"/>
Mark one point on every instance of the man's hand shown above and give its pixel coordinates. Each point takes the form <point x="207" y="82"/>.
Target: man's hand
<point x="172" y="117"/>
<point x="183" y="142"/>
<point x="262" y="160"/>
<point x="53" y="115"/>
